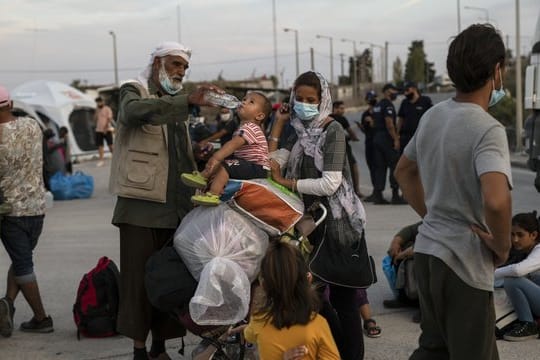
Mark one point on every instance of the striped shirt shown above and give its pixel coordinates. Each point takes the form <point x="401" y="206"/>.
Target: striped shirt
<point x="256" y="148"/>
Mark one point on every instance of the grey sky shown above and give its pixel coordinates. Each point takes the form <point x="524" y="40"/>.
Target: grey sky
<point x="70" y="38"/>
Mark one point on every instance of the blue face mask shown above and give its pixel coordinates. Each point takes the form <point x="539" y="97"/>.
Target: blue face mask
<point x="167" y="84"/>
<point x="306" y="111"/>
<point x="496" y="94"/>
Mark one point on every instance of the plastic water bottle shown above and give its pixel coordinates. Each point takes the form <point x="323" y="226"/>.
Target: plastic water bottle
<point x="225" y="100"/>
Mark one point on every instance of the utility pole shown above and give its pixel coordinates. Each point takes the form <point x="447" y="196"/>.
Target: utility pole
<point x="295" y="49"/>
<point x="458" y="17"/>
<point x="354" y="71"/>
<point x="342" y="59"/>
<point x="386" y="61"/>
<point x="519" y="94"/>
<point x="331" y="39"/>
<point x="312" y="58"/>
<point x="276" y="74"/>
<point x="178" y="22"/>
<point x="115" y="58"/>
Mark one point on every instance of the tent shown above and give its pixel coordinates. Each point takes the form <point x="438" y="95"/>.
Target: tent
<point x="58" y="105"/>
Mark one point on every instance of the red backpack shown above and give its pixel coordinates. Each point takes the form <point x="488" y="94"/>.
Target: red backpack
<point x="96" y="306"/>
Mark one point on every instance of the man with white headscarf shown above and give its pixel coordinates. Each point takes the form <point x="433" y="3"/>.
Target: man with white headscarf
<point x="152" y="150"/>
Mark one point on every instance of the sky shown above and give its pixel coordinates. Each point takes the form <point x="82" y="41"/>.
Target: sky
<point x="63" y="40"/>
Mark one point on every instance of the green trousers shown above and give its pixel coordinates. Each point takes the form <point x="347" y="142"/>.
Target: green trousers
<point x="458" y="321"/>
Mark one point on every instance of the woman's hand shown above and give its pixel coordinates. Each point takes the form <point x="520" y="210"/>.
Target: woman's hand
<point x="275" y="170"/>
<point x="296" y="353"/>
<point x="283" y="114"/>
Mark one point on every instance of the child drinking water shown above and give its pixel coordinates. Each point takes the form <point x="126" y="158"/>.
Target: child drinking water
<point x="248" y="148"/>
<point x="288" y="318"/>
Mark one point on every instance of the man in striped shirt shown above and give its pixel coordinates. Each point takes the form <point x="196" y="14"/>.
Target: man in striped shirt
<point x="248" y="148"/>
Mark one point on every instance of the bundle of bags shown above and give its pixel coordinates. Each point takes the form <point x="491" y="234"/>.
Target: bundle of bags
<point x="223" y="246"/>
<point x="223" y="251"/>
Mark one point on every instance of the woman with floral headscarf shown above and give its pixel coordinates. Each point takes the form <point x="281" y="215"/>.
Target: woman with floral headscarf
<point x="317" y="168"/>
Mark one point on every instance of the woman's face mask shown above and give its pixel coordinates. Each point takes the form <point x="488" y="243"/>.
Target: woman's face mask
<point x="306" y="111"/>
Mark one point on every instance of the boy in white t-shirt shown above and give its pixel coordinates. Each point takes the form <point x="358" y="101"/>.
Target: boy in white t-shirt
<point x="248" y="148"/>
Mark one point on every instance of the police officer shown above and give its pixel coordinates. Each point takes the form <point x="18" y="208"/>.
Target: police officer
<point x="411" y="110"/>
<point x="387" y="146"/>
<point x="367" y="125"/>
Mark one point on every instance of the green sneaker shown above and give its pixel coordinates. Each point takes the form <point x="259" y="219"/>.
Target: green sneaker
<point x="195" y="179"/>
<point x="207" y="199"/>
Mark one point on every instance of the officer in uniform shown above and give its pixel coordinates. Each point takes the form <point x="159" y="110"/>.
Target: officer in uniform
<point x="386" y="145"/>
<point x="411" y="110"/>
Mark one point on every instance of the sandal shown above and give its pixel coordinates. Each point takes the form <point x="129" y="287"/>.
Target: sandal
<point x="372" y="329"/>
<point x="195" y="179"/>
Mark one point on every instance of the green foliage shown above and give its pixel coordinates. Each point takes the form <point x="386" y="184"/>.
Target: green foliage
<point x="417" y="68"/>
<point x="505" y="111"/>
<point x="397" y="71"/>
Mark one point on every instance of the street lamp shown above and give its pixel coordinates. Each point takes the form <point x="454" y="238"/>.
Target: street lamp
<point x="354" y="77"/>
<point x="115" y="58"/>
<point x="295" y="48"/>
<point x="484" y="10"/>
<point x="331" y="55"/>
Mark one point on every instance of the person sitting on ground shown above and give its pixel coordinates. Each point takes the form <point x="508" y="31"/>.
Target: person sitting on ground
<point x="401" y="248"/>
<point x="522" y="279"/>
<point x="288" y="317"/>
<point x="248" y="148"/>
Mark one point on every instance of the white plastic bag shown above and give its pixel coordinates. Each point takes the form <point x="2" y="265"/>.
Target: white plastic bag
<point x="223" y="294"/>
<point x="223" y="251"/>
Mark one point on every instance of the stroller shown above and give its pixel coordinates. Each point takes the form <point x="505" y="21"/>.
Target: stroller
<point x="230" y="234"/>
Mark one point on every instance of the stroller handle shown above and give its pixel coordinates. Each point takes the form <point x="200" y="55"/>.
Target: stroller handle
<point x="323" y="216"/>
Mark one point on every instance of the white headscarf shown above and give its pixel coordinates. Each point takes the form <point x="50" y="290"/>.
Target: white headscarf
<point x="311" y="139"/>
<point x="166" y="48"/>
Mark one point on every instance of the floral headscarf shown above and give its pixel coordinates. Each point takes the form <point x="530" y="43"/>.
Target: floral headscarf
<point x="311" y="139"/>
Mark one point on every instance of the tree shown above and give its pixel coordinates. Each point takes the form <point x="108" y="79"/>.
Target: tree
<point x="417" y="68"/>
<point x="398" y="71"/>
<point x="364" y="63"/>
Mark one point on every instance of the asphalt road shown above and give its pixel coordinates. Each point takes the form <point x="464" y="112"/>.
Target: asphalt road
<point x="78" y="232"/>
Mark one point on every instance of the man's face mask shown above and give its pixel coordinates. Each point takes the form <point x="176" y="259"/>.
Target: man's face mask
<point x="225" y="117"/>
<point x="171" y="87"/>
<point x="306" y="111"/>
<point x="496" y="94"/>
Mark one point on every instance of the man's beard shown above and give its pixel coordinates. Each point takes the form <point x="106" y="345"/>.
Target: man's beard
<point x="176" y="84"/>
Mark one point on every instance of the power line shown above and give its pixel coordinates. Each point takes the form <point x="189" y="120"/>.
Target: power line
<point x="100" y="70"/>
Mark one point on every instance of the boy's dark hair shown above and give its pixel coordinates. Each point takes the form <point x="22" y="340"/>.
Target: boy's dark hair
<point x="472" y="57"/>
<point x="99" y="98"/>
<point x="337" y="104"/>
<point x="290" y="300"/>
<point x="528" y="222"/>
<point x="63" y="130"/>
<point x="267" y="105"/>
<point x="309" y="79"/>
